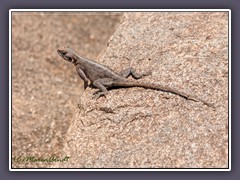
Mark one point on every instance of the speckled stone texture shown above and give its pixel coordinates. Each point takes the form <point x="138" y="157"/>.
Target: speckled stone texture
<point x="143" y="128"/>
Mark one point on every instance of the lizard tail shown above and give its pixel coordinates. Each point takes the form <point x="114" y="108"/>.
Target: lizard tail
<point x="132" y="83"/>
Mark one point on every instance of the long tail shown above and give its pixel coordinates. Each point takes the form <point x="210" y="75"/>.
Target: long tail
<point x="135" y="83"/>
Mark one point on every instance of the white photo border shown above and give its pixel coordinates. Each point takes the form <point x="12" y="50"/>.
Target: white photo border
<point x="119" y="169"/>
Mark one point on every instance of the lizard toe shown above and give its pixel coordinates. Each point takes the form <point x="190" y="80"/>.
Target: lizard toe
<point x="99" y="94"/>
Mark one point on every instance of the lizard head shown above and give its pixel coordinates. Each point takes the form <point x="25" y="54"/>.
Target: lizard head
<point x="67" y="54"/>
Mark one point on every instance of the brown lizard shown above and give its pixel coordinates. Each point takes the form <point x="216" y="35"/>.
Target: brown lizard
<point x="102" y="77"/>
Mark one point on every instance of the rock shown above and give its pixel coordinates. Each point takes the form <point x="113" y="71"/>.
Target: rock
<point x="143" y="128"/>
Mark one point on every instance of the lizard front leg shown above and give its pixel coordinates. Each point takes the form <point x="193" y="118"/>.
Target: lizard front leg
<point x="102" y="85"/>
<point x="130" y="71"/>
<point x="82" y="76"/>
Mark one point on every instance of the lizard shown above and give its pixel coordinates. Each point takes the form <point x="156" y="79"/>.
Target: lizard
<point x="102" y="77"/>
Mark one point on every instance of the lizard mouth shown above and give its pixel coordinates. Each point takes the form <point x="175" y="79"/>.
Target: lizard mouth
<point x="64" y="55"/>
<point x="60" y="52"/>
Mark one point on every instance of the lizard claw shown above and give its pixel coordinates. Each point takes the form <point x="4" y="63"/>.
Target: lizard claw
<point x="85" y="84"/>
<point x="96" y="92"/>
<point x="99" y="94"/>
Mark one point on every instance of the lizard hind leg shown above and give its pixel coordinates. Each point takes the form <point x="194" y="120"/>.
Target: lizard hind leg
<point x="102" y="85"/>
<point x="131" y="71"/>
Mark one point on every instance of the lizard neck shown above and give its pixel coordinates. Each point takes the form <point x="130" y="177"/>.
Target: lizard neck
<point x="75" y="60"/>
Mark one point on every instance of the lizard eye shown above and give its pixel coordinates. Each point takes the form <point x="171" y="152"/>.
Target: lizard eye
<point x="69" y="59"/>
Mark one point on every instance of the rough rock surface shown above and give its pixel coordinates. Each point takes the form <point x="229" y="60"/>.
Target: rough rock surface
<point x="44" y="87"/>
<point x="143" y="128"/>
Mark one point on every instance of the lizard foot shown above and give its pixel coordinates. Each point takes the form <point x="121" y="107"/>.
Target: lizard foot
<point x="99" y="94"/>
